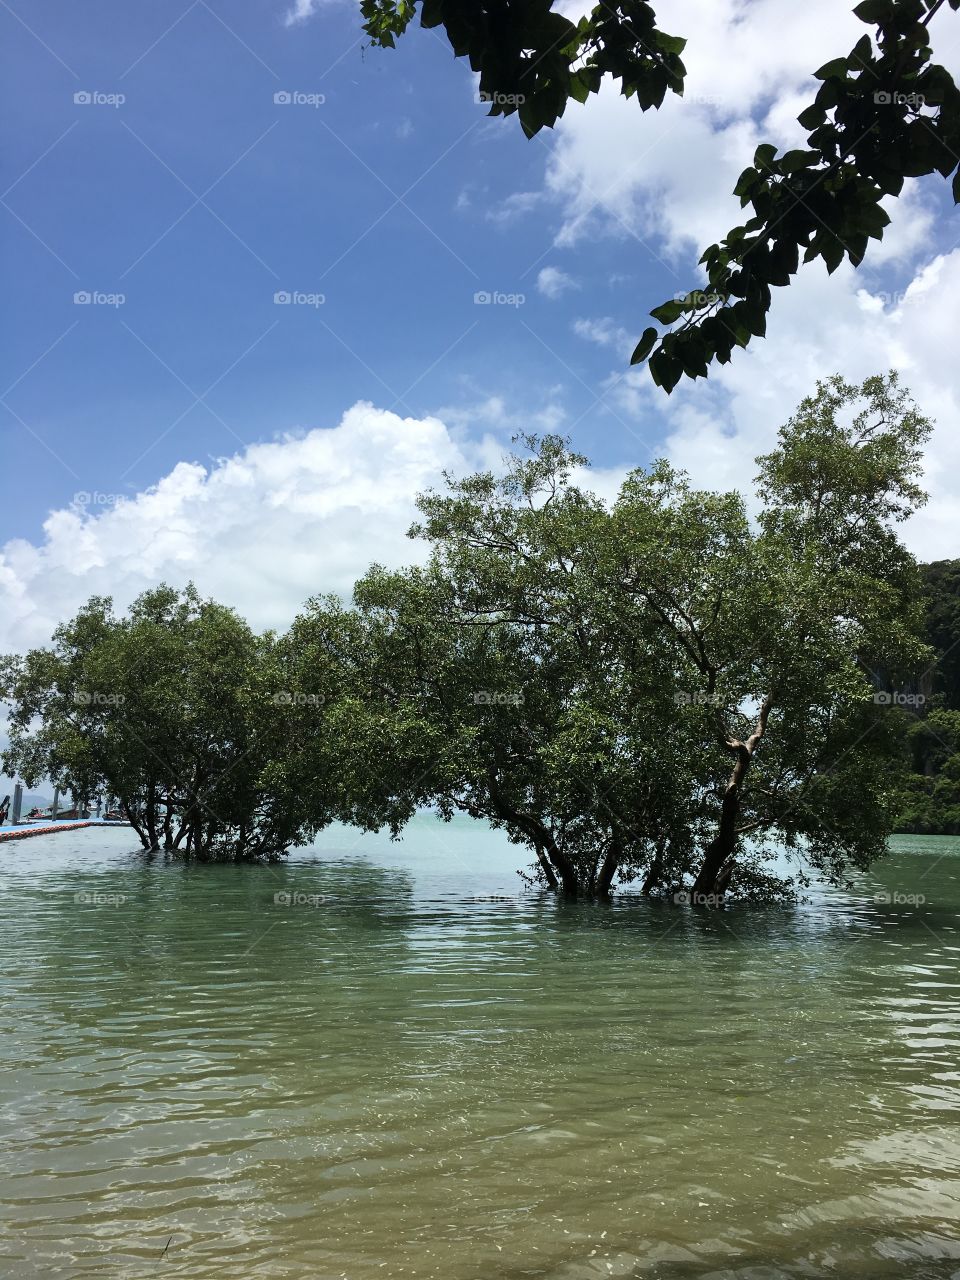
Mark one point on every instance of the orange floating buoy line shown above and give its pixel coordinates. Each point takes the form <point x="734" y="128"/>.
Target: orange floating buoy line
<point x="20" y="833"/>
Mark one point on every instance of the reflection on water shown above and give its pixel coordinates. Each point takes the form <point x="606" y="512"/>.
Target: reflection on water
<point x="407" y="1066"/>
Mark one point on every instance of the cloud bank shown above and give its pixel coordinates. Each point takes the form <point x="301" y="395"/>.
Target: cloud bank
<point x="261" y="530"/>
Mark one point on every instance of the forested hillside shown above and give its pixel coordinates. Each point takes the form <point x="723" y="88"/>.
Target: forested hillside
<point x="932" y="801"/>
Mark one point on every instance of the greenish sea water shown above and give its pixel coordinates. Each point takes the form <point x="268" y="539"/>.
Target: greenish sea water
<point x="389" y="1060"/>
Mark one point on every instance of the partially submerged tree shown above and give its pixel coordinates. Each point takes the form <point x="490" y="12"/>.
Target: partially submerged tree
<point x="665" y="690"/>
<point x="531" y="729"/>
<point x="784" y="625"/>
<point x="172" y="709"/>
<point x="662" y="690"/>
<point x="355" y="753"/>
<point x="883" y="113"/>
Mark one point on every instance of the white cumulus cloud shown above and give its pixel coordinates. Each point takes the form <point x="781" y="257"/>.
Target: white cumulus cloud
<point x="260" y="530"/>
<point x="662" y="181"/>
<point x="301" y="11"/>
<point x="605" y="332"/>
<point x="552" y="282"/>
<point x="714" y="428"/>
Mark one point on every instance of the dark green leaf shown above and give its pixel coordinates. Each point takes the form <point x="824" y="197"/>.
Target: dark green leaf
<point x="834" y="70"/>
<point x="670" y="44"/>
<point x="875" y="11"/>
<point x="811" y="117"/>
<point x="644" y="346"/>
<point x="579" y="87"/>
<point x="665" y="370"/>
<point x="832" y="251"/>
<point x="794" y="161"/>
<point x="668" y="312"/>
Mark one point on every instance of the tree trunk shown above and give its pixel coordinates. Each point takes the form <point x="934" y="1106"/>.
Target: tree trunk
<point x="655" y="871"/>
<point x="723" y="879"/>
<point x="134" y="822"/>
<point x="569" y="881"/>
<point x="610" y="865"/>
<point x="150" y="818"/>
<point x="548" y="873"/>
<point x="539" y="836"/>
<point x="723" y="847"/>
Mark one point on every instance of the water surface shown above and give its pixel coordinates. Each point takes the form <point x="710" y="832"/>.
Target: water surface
<point x="390" y="1060"/>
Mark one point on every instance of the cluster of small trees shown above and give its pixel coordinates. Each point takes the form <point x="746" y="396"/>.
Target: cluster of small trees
<point x="661" y="690"/>
<point x="156" y="709"/>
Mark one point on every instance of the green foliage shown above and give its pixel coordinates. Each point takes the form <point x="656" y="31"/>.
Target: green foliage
<point x="930" y="801"/>
<point x="356" y="751"/>
<point x="882" y="113"/>
<point x="659" y="690"/>
<point x="384" y="20"/>
<point x="942" y="596"/>
<point x="173" y="709"/>
<point x="532" y="60"/>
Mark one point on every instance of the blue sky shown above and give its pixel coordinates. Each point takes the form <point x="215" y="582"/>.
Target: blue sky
<point x="392" y="199"/>
<point x="269" y="451"/>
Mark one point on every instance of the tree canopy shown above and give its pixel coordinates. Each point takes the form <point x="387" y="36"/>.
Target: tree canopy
<point x="884" y="111"/>
<point x="663" y="689"/>
<point x="173" y="709"/>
